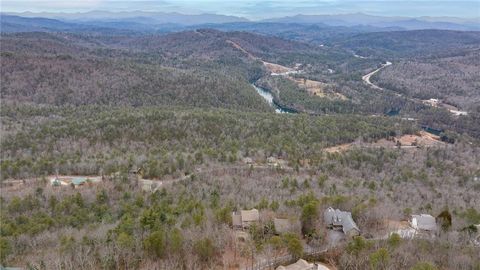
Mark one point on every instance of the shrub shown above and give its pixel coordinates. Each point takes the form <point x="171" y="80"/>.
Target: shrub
<point x="205" y="249"/>
<point x="394" y="240"/>
<point x="294" y="245"/>
<point x="424" y="266"/>
<point x="379" y="259"/>
<point x="155" y="244"/>
<point x="5" y="249"/>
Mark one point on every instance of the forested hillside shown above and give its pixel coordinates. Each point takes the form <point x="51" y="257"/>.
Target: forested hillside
<point x="418" y="43"/>
<point x="55" y="69"/>
<point x="90" y="140"/>
<point x="452" y="79"/>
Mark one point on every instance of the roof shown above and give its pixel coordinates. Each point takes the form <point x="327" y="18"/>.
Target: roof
<point x="272" y="159"/>
<point x="299" y="265"/>
<point x="424" y="222"/>
<point x="55" y="182"/>
<point x="78" y="181"/>
<point x="321" y="266"/>
<point x="335" y="217"/>
<point x="248" y="160"/>
<point x="250" y="215"/>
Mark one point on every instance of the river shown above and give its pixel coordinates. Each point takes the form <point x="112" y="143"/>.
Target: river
<point x="265" y="94"/>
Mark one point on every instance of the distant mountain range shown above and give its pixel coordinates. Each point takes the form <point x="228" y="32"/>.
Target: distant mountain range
<point x="357" y="19"/>
<point x="135" y="16"/>
<point x="167" y="22"/>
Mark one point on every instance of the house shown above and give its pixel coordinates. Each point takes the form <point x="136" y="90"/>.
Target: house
<point x="299" y="265"/>
<point x="276" y="162"/>
<point x="10" y="268"/>
<point x="340" y="220"/>
<point x="245" y="218"/>
<point x="476" y="238"/>
<point x="321" y="266"/>
<point x="56" y="181"/>
<point x="149" y="185"/>
<point x="248" y="161"/>
<point x="431" y="102"/>
<point x="272" y="161"/>
<point x="423" y="222"/>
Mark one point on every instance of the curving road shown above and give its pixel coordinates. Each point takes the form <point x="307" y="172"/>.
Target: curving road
<point x="366" y="78"/>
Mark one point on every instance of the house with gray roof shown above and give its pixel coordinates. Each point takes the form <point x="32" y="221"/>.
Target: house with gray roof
<point x="341" y="220"/>
<point x="424" y="222"/>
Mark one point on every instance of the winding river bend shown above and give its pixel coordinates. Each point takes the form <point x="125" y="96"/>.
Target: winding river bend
<point x="265" y="94"/>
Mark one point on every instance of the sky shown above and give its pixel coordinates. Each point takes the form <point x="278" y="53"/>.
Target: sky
<point x="254" y="9"/>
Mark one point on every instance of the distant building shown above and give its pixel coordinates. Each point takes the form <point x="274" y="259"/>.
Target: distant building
<point x="476" y="238"/>
<point x="272" y="160"/>
<point x="275" y="162"/>
<point x="431" y="102"/>
<point x="321" y="266"/>
<point x="245" y="218"/>
<point x="149" y="185"/>
<point x="248" y="161"/>
<point x="340" y="220"/>
<point x="55" y="182"/>
<point x="10" y="268"/>
<point x="423" y="222"/>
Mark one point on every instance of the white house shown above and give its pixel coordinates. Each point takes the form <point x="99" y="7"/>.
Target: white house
<point x="423" y="222"/>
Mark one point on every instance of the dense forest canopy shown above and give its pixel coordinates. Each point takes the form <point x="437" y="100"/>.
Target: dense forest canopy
<point x="41" y="140"/>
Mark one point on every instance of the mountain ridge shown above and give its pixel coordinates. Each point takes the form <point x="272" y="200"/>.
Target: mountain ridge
<point x="147" y="19"/>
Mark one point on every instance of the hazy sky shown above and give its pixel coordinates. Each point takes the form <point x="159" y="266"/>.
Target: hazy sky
<point x="256" y="9"/>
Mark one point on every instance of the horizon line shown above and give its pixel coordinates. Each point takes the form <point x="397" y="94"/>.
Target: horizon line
<point x="226" y="15"/>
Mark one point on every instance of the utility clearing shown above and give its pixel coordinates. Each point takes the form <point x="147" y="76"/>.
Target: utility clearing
<point x="419" y="140"/>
